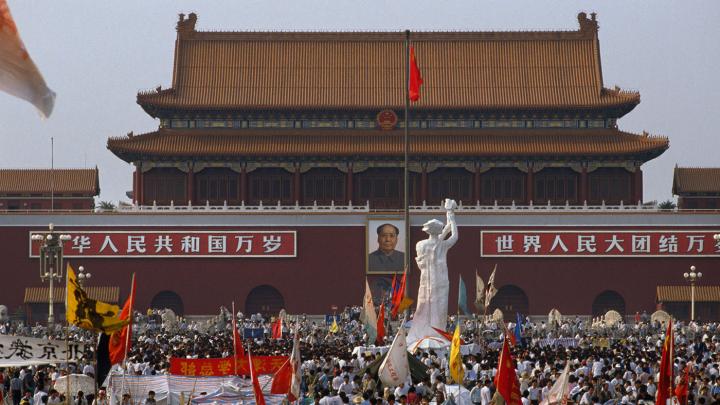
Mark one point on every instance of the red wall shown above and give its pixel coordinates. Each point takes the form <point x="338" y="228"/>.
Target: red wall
<point x="330" y="270"/>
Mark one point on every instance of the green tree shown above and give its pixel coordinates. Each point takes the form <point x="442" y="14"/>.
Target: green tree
<point x="667" y="205"/>
<point x="106" y="206"/>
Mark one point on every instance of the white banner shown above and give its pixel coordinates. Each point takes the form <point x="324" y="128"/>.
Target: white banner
<point x="24" y="351"/>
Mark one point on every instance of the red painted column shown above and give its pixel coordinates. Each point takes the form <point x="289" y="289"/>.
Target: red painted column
<point x="423" y="185"/>
<point x="141" y="193"/>
<point x="349" y="185"/>
<point x="583" y="197"/>
<point x="136" y="193"/>
<point x="529" y="185"/>
<point x="190" y="188"/>
<point x="297" y="196"/>
<point x="243" y="185"/>
<point x="637" y="185"/>
<point x="477" y="186"/>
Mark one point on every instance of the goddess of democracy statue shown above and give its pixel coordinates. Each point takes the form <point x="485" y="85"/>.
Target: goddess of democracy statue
<point x="432" y="301"/>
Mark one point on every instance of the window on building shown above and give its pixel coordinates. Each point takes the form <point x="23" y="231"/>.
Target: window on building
<point x="323" y="185"/>
<point x="217" y="186"/>
<point x="270" y="185"/>
<point x="383" y="187"/>
<point x="163" y="186"/>
<point x="556" y="185"/>
<point x="454" y="183"/>
<point x="503" y="185"/>
<point x="611" y="185"/>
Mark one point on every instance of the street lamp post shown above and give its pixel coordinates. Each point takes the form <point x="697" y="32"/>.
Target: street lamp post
<point x="692" y="278"/>
<point x="51" y="260"/>
<point x="83" y="276"/>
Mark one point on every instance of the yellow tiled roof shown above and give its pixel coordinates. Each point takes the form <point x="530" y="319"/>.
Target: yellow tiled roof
<point x="696" y="180"/>
<point x="40" y="295"/>
<point x="62" y="181"/>
<point x="366" y="70"/>
<point x="353" y="142"/>
<point x="681" y="293"/>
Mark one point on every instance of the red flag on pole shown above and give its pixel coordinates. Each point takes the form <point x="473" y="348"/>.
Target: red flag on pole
<point x="380" y="325"/>
<point x="506" y="381"/>
<point x="665" y="378"/>
<point x="287" y="379"/>
<point x="119" y="343"/>
<point x="415" y="77"/>
<point x="277" y="329"/>
<point x="259" y="398"/>
<point x="682" y="390"/>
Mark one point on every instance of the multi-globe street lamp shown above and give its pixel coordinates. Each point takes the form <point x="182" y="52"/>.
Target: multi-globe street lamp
<point x="83" y="276"/>
<point x="692" y="277"/>
<point x="51" y="262"/>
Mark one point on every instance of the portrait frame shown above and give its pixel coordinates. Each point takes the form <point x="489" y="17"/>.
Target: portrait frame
<point x="371" y="243"/>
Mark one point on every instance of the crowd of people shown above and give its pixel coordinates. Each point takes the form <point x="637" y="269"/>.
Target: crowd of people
<point x="615" y="364"/>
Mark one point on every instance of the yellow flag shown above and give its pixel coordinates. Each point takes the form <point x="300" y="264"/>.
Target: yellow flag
<point x="334" y="328"/>
<point x="88" y="313"/>
<point x="457" y="372"/>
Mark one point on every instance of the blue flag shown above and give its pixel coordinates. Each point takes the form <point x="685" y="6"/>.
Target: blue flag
<point x="462" y="298"/>
<point x="518" y="329"/>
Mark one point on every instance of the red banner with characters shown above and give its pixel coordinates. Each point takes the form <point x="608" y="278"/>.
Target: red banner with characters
<point x="598" y="243"/>
<point x="225" y="366"/>
<point x="184" y="244"/>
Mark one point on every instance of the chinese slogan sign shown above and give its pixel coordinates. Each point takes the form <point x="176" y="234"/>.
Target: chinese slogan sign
<point x="23" y="351"/>
<point x="177" y="244"/>
<point x="599" y="243"/>
<point x="225" y="366"/>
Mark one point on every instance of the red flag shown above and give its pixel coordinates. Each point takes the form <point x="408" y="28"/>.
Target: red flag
<point x="282" y="379"/>
<point x="682" y="389"/>
<point x="446" y="335"/>
<point x="415" y="77"/>
<point x="665" y="378"/>
<point x="119" y="343"/>
<point x="380" y="325"/>
<point x="398" y="298"/>
<point x="506" y="381"/>
<point x="259" y="398"/>
<point x="277" y="329"/>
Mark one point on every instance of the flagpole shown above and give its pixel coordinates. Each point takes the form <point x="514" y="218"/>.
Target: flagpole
<point x="406" y="150"/>
<point x="234" y="326"/>
<point x="130" y="317"/>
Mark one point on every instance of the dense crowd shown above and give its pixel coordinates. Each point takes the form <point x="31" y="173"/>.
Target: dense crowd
<point x="608" y="364"/>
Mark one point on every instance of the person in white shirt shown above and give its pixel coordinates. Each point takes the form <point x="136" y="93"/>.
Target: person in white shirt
<point x="337" y="382"/>
<point x="347" y="387"/>
<point x="485" y="393"/>
<point x="587" y="397"/>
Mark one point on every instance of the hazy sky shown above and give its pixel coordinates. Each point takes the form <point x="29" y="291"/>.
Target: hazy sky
<point x="96" y="55"/>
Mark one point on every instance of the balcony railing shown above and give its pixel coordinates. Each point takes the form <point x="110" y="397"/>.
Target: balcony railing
<point x="462" y="208"/>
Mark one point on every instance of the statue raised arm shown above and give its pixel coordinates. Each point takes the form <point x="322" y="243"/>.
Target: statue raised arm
<point x="434" y="288"/>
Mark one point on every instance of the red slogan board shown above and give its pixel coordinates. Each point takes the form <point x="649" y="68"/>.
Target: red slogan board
<point x="225" y="366"/>
<point x="182" y="244"/>
<point x="598" y="243"/>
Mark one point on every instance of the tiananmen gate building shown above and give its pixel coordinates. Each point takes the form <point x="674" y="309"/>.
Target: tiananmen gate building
<point x="279" y="154"/>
